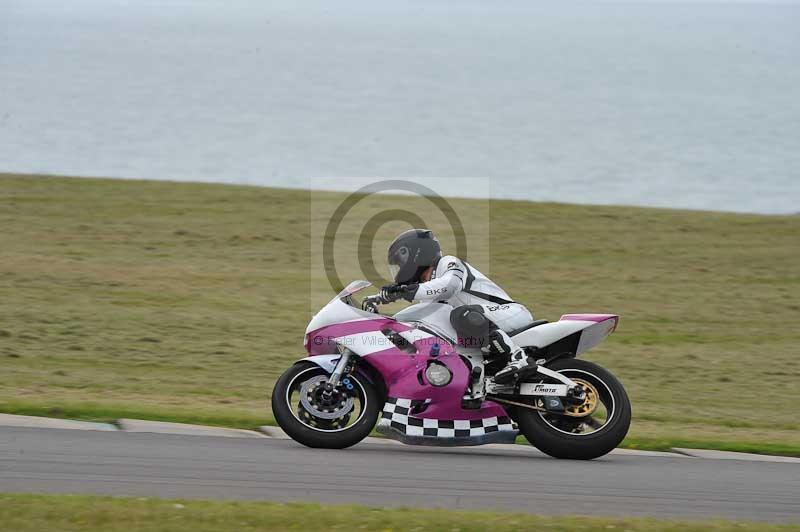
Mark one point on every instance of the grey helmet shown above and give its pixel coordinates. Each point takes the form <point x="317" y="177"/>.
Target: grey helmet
<point x="411" y="253"/>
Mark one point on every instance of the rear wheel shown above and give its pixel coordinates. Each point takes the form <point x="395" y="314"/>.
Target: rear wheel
<point x="586" y="430"/>
<point x="312" y="416"/>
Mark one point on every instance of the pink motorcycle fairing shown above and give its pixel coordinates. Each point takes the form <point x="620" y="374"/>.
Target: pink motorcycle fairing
<point x="402" y="372"/>
<point x="415" y="411"/>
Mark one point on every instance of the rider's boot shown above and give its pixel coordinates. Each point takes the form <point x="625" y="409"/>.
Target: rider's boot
<point x="518" y="364"/>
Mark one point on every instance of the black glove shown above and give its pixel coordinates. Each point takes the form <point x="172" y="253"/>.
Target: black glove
<point x="392" y="292"/>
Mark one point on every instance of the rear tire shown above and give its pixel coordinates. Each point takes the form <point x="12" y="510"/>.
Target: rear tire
<point x="561" y="444"/>
<point x="335" y="438"/>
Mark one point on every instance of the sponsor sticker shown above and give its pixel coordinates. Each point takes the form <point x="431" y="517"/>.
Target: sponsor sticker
<point x="527" y="388"/>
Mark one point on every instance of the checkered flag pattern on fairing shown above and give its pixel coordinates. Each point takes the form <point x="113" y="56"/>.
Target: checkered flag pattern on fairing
<point x="396" y="414"/>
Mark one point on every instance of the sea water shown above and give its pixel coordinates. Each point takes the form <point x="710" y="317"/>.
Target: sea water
<point x="673" y="104"/>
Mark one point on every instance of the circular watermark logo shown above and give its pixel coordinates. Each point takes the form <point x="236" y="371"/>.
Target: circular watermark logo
<point x="372" y="225"/>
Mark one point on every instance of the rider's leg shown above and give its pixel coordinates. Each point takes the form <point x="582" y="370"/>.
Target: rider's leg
<point x="473" y="328"/>
<point x="472" y="325"/>
<point x="483" y="325"/>
<point x="508" y="318"/>
<point x="518" y="360"/>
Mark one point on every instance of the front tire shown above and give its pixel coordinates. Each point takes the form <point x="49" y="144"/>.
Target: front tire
<point x="562" y="436"/>
<point x="297" y="418"/>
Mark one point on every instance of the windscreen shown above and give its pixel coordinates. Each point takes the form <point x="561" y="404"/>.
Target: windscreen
<point x="352" y="288"/>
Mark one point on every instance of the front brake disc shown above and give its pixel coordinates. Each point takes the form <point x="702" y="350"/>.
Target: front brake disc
<point x="312" y="401"/>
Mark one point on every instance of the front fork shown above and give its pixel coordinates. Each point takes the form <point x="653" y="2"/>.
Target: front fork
<point x="340" y="369"/>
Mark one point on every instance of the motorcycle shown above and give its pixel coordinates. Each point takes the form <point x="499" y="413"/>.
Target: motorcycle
<point x="422" y="385"/>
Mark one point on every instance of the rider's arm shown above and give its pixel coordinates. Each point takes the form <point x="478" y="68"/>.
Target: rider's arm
<point x="445" y="286"/>
<point x="447" y="283"/>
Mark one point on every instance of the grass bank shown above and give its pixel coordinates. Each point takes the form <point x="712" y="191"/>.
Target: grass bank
<point x="184" y="302"/>
<point x="23" y="513"/>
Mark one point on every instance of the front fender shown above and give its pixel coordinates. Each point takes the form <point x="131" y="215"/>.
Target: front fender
<point x="326" y="362"/>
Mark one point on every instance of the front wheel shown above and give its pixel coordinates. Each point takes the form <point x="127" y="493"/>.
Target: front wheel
<point x="584" y="431"/>
<point x="315" y="418"/>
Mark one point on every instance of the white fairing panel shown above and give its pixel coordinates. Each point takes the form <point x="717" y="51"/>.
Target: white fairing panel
<point x="595" y="334"/>
<point x="326" y="362"/>
<point x="434" y="315"/>
<point x="337" y="312"/>
<point x="366" y="343"/>
<point x="592" y="333"/>
<point x="549" y="333"/>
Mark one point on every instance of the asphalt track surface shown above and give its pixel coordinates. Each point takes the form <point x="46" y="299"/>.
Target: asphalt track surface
<point x="167" y="465"/>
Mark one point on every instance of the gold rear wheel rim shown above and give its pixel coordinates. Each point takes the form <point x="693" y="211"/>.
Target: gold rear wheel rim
<point x="589" y="404"/>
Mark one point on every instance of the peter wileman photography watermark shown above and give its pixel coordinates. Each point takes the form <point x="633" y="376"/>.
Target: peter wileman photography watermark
<point x="351" y="232"/>
<point x="369" y="341"/>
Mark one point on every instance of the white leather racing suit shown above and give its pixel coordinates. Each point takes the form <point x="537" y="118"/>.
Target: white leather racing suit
<point x="457" y="283"/>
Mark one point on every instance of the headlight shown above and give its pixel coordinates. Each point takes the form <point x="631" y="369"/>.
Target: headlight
<point x="438" y="374"/>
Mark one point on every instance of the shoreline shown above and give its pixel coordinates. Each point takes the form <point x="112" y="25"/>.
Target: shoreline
<point x="492" y="199"/>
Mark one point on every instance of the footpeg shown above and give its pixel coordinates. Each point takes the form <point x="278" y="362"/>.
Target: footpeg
<point x="511" y="374"/>
<point x="527" y="371"/>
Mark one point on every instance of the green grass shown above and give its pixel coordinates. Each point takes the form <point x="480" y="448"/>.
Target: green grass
<point x="56" y="513"/>
<point x="665" y="444"/>
<point x="183" y="302"/>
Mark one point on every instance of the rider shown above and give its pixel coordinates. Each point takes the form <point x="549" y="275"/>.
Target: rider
<point x="483" y="312"/>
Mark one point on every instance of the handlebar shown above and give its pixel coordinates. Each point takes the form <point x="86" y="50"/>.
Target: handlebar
<point x="371" y="303"/>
